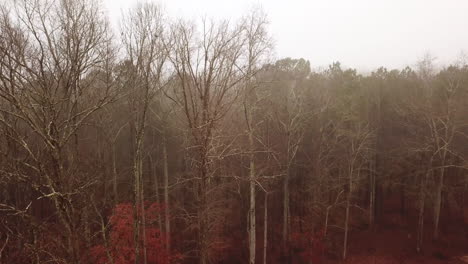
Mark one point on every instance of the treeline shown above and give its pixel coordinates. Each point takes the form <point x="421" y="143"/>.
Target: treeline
<point x="183" y="142"/>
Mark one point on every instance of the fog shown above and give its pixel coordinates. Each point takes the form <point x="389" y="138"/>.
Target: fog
<point x="362" y="34"/>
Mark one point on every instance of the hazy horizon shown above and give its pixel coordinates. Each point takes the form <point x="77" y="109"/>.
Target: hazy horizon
<point x="360" y="34"/>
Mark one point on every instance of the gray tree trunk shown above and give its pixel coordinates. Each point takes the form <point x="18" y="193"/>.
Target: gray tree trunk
<point x="143" y="214"/>
<point x="265" y="230"/>
<point x="166" y="195"/>
<point x="114" y="174"/>
<point x="156" y="189"/>
<point x="348" y="202"/>
<point x="438" y="198"/>
<point x="422" y="200"/>
<point x="252" y="185"/>
<point x="286" y="210"/>
<point x="372" y="198"/>
<point x="136" y="218"/>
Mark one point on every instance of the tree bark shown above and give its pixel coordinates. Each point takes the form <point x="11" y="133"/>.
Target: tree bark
<point x="114" y="174"/>
<point x="143" y="214"/>
<point x="372" y="195"/>
<point x="286" y="210"/>
<point x="265" y="230"/>
<point x="156" y="189"/>
<point x="422" y="199"/>
<point x="166" y="193"/>
<point x="348" y="202"/>
<point x="252" y="210"/>
<point x="136" y="218"/>
<point x="345" y="243"/>
<point x="438" y="197"/>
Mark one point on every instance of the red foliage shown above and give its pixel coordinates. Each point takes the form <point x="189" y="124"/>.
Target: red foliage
<point x="121" y="244"/>
<point x="311" y="245"/>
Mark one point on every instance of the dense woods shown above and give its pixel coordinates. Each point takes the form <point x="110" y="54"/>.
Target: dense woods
<point x="174" y="141"/>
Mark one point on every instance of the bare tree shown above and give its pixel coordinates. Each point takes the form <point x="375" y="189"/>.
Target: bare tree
<point x="258" y="46"/>
<point x="208" y="65"/>
<point x="143" y="35"/>
<point x="54" y="55"/>
<point x="357" y="142"/>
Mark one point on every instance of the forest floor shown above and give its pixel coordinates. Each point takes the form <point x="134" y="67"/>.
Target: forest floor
<point x="392" y="246"/>
<point x="394" y="243"/>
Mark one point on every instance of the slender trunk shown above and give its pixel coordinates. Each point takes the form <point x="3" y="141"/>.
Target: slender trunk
<point x="87" y="231"/>
<point x="36" y="245"/>
<point x="61" y="207"/>
<point x="421" y="215"/>
<point x="114" y="173"/>
<point x="286" y="210"/>
<point x="166" y="195"/>
<point x="422" y="199"/>
<point x="438" y="199"/>
<point x="203" y="239"/>
<point x="104" y="235"/>
<point x="252" y="181"/>
<point x="251" y="229"/>
<point x="156" y="189"/>
<point x="437" y="204"/>
<point x="325" y="229"/>
<point x="136" y="188"/>
<point x="136" y="218"/>
<point x="345" y="243"/>
<point x="348" y="201"/>
<point x="402" y="198"/>
<point x="371" y="197"/>
<point x="464" y="194"/>
<point x="202" y="198"/>
<point x="143" y="215"/>
<point x="265" y="230"/>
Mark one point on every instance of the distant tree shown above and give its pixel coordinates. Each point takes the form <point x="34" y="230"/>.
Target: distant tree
<point x="143" y="35"/>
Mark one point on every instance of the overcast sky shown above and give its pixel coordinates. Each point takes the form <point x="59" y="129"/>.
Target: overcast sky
<point x="362" y="34"/>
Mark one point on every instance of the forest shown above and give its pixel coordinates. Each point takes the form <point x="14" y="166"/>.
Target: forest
<point x="169" y="140"/>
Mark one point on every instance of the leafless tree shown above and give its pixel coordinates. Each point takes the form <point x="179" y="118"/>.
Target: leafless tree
<point x="142" y="33"/>
<point x="258" y="46"/>
<point x="55" y="58"/>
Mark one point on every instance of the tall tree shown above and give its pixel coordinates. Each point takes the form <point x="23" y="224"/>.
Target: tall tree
<point x="207" y="66"/>
<point x="142" y="35"/>
<point x="54" y="55"/>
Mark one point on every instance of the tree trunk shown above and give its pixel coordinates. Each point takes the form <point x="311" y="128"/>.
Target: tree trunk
<point x="464" y="193"/>
<point x="345" y="243"/>
<point x="136" y="219"/>
<point x="114" y="174"/>
<point x="348" y="202"/>
<point x="166" y="194"/>
<point x="402" y="199"/>
<point x="422" y="199"/>
<point x="203" y="225"/>
<point x="438" y="198"/>
<point x="437" y="203"/>
<point x="156" y="189"/>
<point x="143" y="215"/>
<point x="325" y="228"/>
<point x="286" y="210"/>
<point x="265" y="230"/>
<point x="87" y="231"/>
<point x="251" y="229"/>
<point x="252" y="212"/>
<point x="371" y="196"/>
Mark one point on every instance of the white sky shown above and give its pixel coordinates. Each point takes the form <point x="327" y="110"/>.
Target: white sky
<point x="362" y="34"/>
